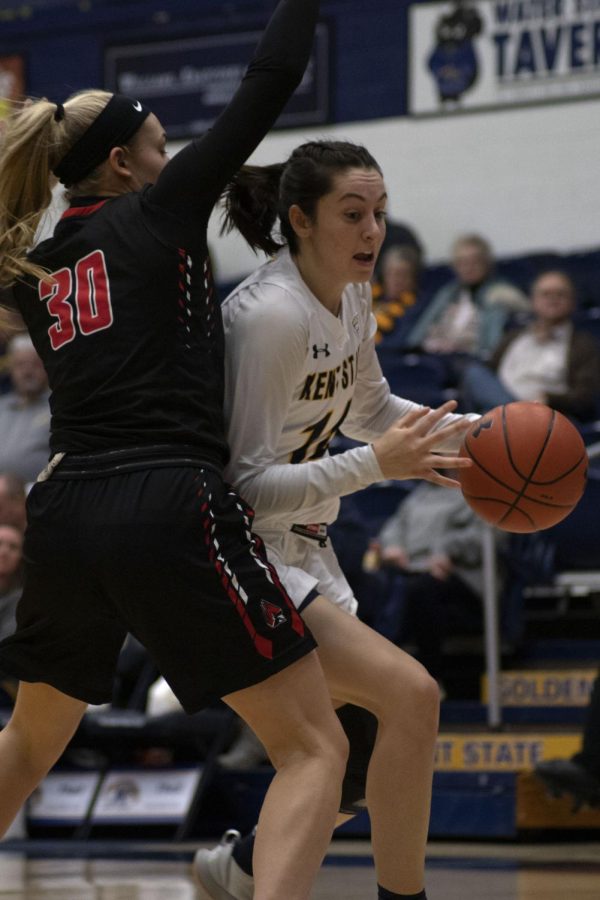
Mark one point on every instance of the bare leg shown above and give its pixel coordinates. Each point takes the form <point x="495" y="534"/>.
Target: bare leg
<point x="363" y="668"/>
<point x="291" y="713"/>
<point x="42" y="724"/>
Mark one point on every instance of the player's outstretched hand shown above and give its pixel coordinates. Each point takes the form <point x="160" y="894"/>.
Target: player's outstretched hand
<point x="406" y="448"/>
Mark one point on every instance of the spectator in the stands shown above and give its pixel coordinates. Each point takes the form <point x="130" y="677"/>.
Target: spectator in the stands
<point x="548" y="360"/>
<point x="431" y="546"/>
<point x="12" y="500"/>
<point x="14" y="324"/>
<point x="399" y="234"/>
<point x="469" y="314"/>
<point x="395" y="295"/>
<point x="25" y="412"/>
<point x="11" y="573"/>
<point x="11" y="557"/>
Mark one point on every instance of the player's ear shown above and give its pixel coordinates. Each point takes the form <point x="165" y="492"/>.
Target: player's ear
<point x="118" y="161"/>
<point x="299" y="221"/>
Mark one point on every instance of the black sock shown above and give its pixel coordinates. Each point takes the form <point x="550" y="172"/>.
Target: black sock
<point x="242" y="853"/>
<point x="383" y="894"/>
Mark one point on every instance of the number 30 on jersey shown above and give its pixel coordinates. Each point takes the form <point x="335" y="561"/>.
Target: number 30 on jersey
<point x="86" y="296"/>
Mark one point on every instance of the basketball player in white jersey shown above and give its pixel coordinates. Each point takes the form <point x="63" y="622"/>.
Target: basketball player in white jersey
<point x="300" y="367"/>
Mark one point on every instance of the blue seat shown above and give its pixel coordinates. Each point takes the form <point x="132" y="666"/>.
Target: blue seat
<point x="378" y="502"/>
<point x="589" y="320"/>
<point x="576" y="539"/>
<point x="421" y="377"/>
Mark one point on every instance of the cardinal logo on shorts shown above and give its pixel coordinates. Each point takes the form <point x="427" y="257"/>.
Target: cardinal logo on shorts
<point x="273" y="615"/>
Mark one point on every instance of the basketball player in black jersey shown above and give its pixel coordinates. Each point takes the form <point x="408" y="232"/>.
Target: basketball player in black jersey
<point x="130" y="527"/>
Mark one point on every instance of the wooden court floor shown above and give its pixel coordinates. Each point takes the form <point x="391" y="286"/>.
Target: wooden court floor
<point x="455" y="872"/>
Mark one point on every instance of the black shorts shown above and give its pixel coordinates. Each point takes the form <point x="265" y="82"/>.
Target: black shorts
<point x="164" y="553"/>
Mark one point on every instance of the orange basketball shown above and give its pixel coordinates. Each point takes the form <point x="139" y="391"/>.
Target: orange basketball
<point x="529" y="467"/>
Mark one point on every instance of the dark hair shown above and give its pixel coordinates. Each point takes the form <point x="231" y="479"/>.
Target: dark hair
<point x="258" y="196"/>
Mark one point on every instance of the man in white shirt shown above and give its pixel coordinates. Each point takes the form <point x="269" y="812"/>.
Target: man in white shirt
<point x="548" y="361"/>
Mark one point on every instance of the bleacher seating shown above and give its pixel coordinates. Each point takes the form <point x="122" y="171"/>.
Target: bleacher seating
<point x="420" y="377"/>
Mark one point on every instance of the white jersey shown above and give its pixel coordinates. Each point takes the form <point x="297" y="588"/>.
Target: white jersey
<point x="296" y="375"/>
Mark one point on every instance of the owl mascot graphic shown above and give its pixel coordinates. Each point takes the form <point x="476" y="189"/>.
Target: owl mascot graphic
<point x="453" y="62"/>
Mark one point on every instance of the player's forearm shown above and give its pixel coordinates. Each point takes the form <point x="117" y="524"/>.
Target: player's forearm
<point x="369" y="428"/>
<point x="287" y="488"/>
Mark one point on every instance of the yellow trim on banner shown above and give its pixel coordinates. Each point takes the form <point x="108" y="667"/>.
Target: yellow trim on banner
<point x="517" y="752"/>
<point x="554" y="688"/>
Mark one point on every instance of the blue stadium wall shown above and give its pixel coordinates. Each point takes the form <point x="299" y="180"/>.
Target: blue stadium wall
<point x="64" y="43"/>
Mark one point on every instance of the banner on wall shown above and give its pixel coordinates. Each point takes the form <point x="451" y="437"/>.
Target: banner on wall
<point x="478" y="54"/>
<point x="187" y="83"/>
<point x="63" y="798"/>
<point x="152" y="796"/>
<point x="12" y="82"/>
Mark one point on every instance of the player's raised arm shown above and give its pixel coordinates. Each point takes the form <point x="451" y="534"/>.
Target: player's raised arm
<point x="195" y="178"/>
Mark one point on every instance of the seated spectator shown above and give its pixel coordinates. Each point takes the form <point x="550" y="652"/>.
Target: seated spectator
<point x="13" y="325"/>
<point x="12" y="500"/>
<point x="25" y="412"/>
<point x="399" y="234"/>
<point x="396" y="294"/>
<point x="11" y="556"/>
<point x="433" y="543"/>
<point x="548" y="360"/>
<point x="468" y="315"/>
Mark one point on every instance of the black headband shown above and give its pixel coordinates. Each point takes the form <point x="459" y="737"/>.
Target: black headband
<point x="118" y="121"/>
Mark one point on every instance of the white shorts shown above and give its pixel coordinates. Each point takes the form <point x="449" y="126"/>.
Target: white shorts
<point x="306" y="569"/>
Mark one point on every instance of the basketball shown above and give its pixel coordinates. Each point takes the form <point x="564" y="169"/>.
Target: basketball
<point x="529" y="467"/>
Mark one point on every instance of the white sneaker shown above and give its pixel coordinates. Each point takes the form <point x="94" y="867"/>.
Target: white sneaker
<point x="217" y="873"/>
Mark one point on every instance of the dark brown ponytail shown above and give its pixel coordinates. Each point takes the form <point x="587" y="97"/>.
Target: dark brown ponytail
<point x="251" y="203"/>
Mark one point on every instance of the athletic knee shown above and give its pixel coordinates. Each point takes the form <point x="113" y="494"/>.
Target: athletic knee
<point x="38" y="747"/>
<point x="425" y="702"/>
<point x="413" y="703"/>
<point x="338" y="749"/>
<point x="325" y="745"/>
<point x="34" y="758"/>
<point x="333" y="748"/>
<point x="428" y="695"/>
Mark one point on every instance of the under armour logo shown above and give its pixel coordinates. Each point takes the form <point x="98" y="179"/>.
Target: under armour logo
<point x="272" y="614"/>
<point x="317" y="350"/>
<point x="486" y="423"/>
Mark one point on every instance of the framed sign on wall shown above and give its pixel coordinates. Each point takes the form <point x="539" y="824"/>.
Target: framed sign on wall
<point x="487" y="54"/>
<point x="188" y="82"/>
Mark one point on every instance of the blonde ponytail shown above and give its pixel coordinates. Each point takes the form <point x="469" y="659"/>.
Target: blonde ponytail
<point x="32" y="145"/>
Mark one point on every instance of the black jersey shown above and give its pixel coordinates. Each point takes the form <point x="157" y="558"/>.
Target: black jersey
<point x="130" y="330"/>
